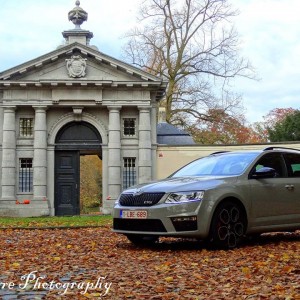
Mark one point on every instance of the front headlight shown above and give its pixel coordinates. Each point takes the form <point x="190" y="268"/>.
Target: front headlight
<point x="183" y="197"/>
<point x="117" y="201"/>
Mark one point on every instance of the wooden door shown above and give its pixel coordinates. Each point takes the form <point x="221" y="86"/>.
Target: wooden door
<point x="67" y="175"/>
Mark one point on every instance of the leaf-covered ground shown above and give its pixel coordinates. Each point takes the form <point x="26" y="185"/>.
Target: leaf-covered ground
<point x="87" y="263"/>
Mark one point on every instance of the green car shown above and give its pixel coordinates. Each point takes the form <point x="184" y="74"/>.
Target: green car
<point x="220" y="198"/>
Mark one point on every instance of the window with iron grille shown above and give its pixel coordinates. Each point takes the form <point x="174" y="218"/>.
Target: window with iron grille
<point x="129" y="126"/>
<point x="129" y="172"/>
<point x="25" y="175"/>
<point x="26" y="127"/>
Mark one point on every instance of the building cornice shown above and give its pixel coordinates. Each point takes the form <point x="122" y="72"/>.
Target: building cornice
<point x="108" y="84"/>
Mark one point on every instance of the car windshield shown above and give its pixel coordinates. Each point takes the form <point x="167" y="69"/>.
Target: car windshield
<point x="220" y="164"/>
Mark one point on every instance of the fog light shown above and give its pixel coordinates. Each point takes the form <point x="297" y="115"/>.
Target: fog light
<point x="185" y="223"/>
<point x="182" y="219"/>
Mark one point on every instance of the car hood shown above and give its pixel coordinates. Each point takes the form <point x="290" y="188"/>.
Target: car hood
<point x="181" y="184"/>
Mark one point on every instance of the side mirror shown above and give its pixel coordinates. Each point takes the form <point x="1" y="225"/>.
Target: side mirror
<point x="264" y="172"/>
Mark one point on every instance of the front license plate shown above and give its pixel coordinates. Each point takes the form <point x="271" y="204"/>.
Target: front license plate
<point x="133" y="214"/>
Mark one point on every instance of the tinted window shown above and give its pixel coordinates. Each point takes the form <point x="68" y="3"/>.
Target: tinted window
<point x="293" y="164"/>
<point x="222" y="164"/>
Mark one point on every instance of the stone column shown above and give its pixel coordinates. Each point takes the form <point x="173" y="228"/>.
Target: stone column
<point x="114" y="153"/>
<point x="40" y="154"/>
<point x="153" y="116"/>
<point x="145" y="155"/>
<point x="9" y="154"/>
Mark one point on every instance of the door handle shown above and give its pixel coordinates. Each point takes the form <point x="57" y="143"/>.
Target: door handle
<point x="289" y="187"/>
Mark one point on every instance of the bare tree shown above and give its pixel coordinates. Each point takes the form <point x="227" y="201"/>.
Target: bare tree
<point x="194" y="46"/>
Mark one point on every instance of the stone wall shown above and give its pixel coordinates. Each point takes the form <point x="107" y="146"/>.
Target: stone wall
<point x="170" y="158"/>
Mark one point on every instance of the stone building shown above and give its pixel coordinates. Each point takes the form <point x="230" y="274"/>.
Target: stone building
<point x="69" y="102"/>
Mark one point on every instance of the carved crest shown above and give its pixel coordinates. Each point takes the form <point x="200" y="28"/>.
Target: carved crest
<point x="76" y="66"/>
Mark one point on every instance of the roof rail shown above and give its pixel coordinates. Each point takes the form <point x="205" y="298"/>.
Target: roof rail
<point x="284" y="148"/>
<point x="218" y="152"/>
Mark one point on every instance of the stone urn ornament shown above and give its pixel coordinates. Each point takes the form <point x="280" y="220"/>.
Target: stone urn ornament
<point x="76" y="65"/>
<point x="77" y="15"/>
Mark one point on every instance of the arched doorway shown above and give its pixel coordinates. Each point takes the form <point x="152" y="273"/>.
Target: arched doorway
<point x="73" y="140"/>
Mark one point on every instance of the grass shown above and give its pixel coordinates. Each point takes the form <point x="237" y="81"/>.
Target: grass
<point x="53" y="222"/>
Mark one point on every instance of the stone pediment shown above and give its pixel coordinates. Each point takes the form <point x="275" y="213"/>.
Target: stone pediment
<point x="77" y="64"/>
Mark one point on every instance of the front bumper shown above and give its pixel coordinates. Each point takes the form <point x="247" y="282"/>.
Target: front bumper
<point x="184" y="219"/>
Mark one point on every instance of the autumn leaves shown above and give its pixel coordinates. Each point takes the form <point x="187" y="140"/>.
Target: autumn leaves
<point x="268" y="268"/>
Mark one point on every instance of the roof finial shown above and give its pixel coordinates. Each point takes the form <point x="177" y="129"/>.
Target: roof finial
<point x="77" y="15"/>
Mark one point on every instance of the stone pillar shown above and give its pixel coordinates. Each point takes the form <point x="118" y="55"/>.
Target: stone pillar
<point x="153" y="116"/>
<point x="50" y="178"/>
<point x="114" y="153"/>
<point x="145" y="155"/>
<point x="9" y="154"/>
<point x="40" y="154"/>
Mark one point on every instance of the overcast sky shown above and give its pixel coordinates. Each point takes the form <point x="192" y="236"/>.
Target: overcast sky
<point x="269" y="32"/>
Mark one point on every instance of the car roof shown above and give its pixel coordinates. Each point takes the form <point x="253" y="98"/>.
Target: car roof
<point x="267" y="149"/>
<point x="286" y="149"/>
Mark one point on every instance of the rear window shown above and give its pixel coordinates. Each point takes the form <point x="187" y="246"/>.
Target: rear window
<point x="293" y="164"/>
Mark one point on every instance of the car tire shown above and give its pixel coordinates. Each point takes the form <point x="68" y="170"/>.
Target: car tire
<point x="228" y="225"/>
<point x="142" y="240"/>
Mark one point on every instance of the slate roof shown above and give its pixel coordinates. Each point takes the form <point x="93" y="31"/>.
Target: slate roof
<point x="168" y="134"/>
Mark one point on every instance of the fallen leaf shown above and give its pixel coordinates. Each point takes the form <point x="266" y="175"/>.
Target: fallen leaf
<point x="169" y="279"/>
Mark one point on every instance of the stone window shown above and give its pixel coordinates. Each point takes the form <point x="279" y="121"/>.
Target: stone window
<point x="26" y="127"/>
<point x="129" y="125"/>
<point x="25" y="175"/>
<point x="129" y="172"/>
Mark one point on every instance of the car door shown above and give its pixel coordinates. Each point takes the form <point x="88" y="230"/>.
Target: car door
<point x="292" y="161"/>
<point x="271" y="200"/>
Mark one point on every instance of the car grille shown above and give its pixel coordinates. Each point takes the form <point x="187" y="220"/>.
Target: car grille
<point x="145" y="199"/>
<point x="152" y="225"/>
